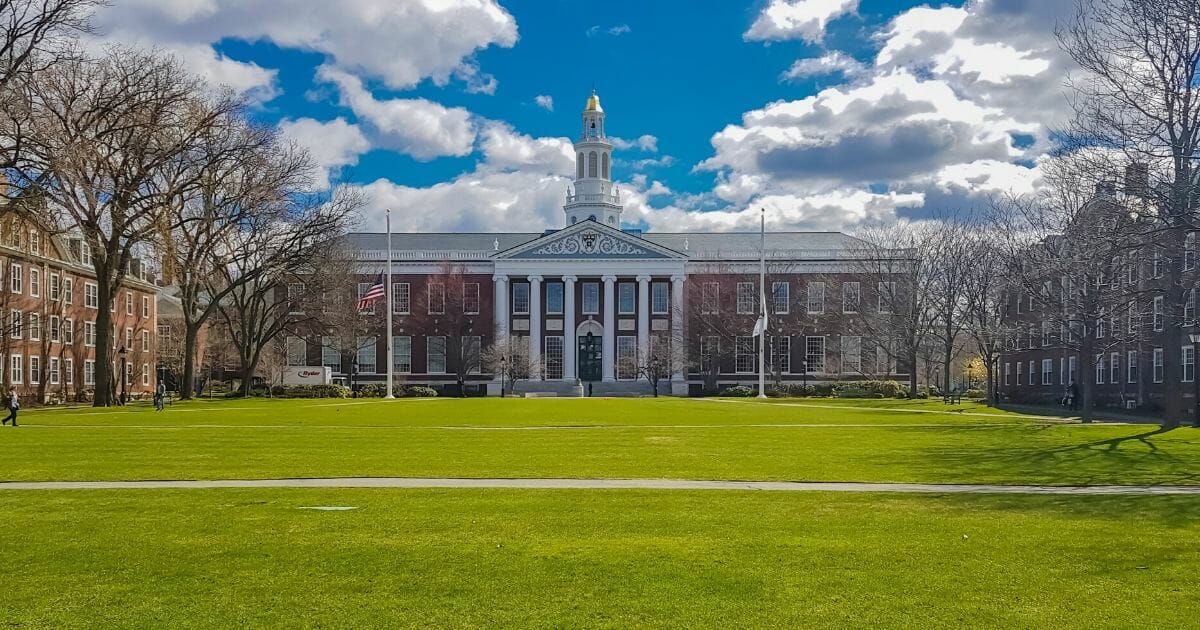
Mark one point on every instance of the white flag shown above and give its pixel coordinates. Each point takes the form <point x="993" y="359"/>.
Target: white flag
<point x="760" y="326"/>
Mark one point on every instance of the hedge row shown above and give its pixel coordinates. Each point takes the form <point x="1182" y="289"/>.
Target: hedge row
<point x="853" y="389"/>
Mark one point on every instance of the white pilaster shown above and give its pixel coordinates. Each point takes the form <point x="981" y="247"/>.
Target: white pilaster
<point x="643" y="318"/>
<point x="535" y="325"/>
<point x="570" y="340"/>
<point x="678" y="349"/>
<point x="609" y="363"/>
<point x="500" y="304"/>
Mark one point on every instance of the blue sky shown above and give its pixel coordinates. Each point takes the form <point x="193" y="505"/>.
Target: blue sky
<point x="458" y="114"/>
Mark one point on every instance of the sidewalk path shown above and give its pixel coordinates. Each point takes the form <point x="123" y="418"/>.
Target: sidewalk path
<point x="601" y="484"/>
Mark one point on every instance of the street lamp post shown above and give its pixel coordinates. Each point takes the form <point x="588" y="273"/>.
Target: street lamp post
<point x="1195" y="339"/>
<point x="354" y="378"/>
<point x="804" y="376"/>
<point x="124" y="381"/>
<point x="503" y="373"/>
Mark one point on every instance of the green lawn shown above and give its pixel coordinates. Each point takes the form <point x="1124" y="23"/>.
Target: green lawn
<point x="619" y="559"/>
<point x="608" y="558"/>
<point x="674" y="438"/>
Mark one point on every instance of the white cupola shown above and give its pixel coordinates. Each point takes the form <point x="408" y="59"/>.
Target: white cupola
<point x="593" y="195"/>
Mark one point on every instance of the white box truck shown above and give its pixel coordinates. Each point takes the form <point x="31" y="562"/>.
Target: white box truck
<point x="307" y="375"/>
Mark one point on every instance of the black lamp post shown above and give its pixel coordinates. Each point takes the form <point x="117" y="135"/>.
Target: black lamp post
<point x="503" y="373"/>
<point x="354" y="378"/>
<point x="124" y="381"/>
<point x="804" y="375"/>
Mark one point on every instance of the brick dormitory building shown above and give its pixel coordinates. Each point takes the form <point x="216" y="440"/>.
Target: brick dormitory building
<point x="49" y="302"/>
<point x="589" y="298"/>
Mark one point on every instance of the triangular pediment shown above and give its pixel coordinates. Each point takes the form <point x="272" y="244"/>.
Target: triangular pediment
<point x="589" y="240"/>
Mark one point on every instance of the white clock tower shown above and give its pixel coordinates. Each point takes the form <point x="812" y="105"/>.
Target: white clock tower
<point x="593" y="195"/>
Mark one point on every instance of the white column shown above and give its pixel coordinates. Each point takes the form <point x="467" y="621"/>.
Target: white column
<point x="570" y="340"/>
<point x="609" y="363"/>
<point x="643" y="317"/>
<point x="500" y="303"/>
<point x="535" y="323"/>
<point x="678" y="341"/>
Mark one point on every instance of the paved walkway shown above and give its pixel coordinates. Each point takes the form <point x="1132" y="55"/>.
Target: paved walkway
<point x="602" y="484"/>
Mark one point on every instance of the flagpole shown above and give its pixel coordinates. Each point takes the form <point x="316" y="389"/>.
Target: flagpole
<point x="762" y="301"/>
<point x="388" y="287"/>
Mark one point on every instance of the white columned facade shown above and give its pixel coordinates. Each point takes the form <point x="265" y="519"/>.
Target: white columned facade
<point x="609" y="364"/>
<point x="570" y="340"/>
<point x="677" y="339"/>
<point x="535" y="324"/>
<point x="643" y="319"/>
<point x="500" y="304"/>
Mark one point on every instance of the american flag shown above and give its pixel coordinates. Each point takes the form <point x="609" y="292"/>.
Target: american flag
<point x="372" y="295"/>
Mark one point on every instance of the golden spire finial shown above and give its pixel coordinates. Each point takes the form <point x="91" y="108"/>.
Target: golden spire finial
<point x="593" y="102"/>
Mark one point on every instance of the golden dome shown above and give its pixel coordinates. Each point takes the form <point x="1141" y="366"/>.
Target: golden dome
<point x="593" y="103"/>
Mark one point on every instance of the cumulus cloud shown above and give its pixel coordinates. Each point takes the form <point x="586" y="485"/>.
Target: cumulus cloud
<point x="415" y="126"/>
<point x="644" y="142"/>
<point x="505" y="149"/>
<point x="545" y="102"/>
<point x="400" y="43"/>
<point x="829" y="63"/>
<point x="797" y="19"/>
<point x="334" y="144"/>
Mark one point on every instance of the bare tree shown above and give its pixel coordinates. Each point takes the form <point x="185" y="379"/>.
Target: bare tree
<point x="661" y="360"/>
<point x="107" y="147"/>
<point x="508" y="358"/>
<point x="984" y="294"/>
<point x="1139" y="97"/>
<point x="449" y="306"/>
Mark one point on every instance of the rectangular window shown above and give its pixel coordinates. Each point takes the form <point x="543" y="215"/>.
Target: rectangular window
<point x="400" y="298"/>
<point x="55" y="371"/>
<point x="35" y="327"/>
<point x="520" y="294"/>
<point x="1072" y="377"/>
<point x="1189" y="251"/>
<point x="436" y="294"/>
<point x="814" y="355"/>
<point x="887" y="293"/>
<point x="553" y="357"/>
<point x="35" y="282"/>
<point x="89" y="372"/>
<point x="659" y="302"/>
<point x="1156" y="265"/>
<point x="1188" y="358"/>
<point x="1189" y="308"/>
<point x="1131" y="367"/>
<point x="145" y="341"/>
<point x="17" y="369"/>
<point x="710" y="350"/>
<point x="1101" y="326"/>
<point x="366" y="354"/>
<point x="1007" y="374"/>
<point x="851" y="295"/>
<point x="91" y="295"/>
<point x="331" y="357"/>
<point x="145" y="306"/>
<point x="16" y="321"/>
<point x="55" y="287"/>
<point x="35" y="242"/>
<point x="781" y="297"/>
<point x="626" y="357"/>
<point x="816" y="298"/>
<point x="55" y="329"/>
<point x="710" y="302"/>
<point x="68" y="331"/>
<point x="145" y="375"/>
<point x="35" y="370"/>
<point x="625" y="297"/>
<point x="591" y="298"/>
<point x="1045" y="334"/>
<point x="883" y="358"/>
<point x="470" y="298"/>
<point x="16" y="283"/>
<point x="472" y="346"/>
<point x="1158" y="313"/>
<point x="1047" y="371"/>
<point x="435" y="350"/>
<point x="851" y="354"/>
<point x="402" y="355"/>
<point x="1019" y="364"/>
<point x="1100" y="370"/>
<point x="554" y="298"/>
<point x="743" y="355"/>
<point x="745" y="298"/>
<point x="297" y="351"/>
<point x="69" y="371"/>
<point x="69" y="290"/>
<point x="1114" y="368"/>
<point x="129" y="304"/>
<point x="1062" y="370"/>
<point x="89" y="334"/>
<point x="1158" y="365"/>
<point x="295" y="295"/>
<point x="1032" y="374"/>
<point x="129" y="338"/>
<point x="781" y="354"/>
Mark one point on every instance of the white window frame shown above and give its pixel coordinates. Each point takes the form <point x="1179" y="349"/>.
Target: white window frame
<point x="1131" y="366"/>
<point x="69" y="371"/>
<point x="886" y="289"/>
<point x="1187" y="360"/>
<point x="16" y="280"/>
<point x="744" y="355"/>
<point x="435" y="306"/>
<point x="520" y="304"/>
<point x="89" y="372"/>
<point x="429" y="354"/>
<point x="35" y="282"/>
<point x="367" y="346"/>
<point x="626" y="364"/>
<point x="781" y="297"/>
<point x="91" y="295"/>
<point x="816" y="298"/>
<point x="590" y="298"/>
<point x="851" y="292"/>
<point x="626" y="290"/>
<point x="745" y="298"/>
<point x="710" y="298"/>
<point x="1047" y="371"/>
<point x="856" y="365"/>
<point x="467" y="300"/>
<point x="814" y="354"/>
<point x="401" y="298"/>
<point x="35" y="370"/>
<point x="402" y="354"/>
<point x="1158" y="369"/>
<point x="16" y="369"/>
<point x="660" y="298"/>
<point x="145" y="307"/>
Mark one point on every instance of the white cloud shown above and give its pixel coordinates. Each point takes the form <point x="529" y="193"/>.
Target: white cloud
<point x="644" y="142"/>
<point x="797" y="19"/>
<point x="401" y="43"/>
<point x="614" y="31"/>
<point x="333" y="145"/>
<point x="505" y="149"/>
<point x="829" y="63"/>
<point x="545" y="102"/>
<point x="619" y="30"/>
<point x="416" y="126"/>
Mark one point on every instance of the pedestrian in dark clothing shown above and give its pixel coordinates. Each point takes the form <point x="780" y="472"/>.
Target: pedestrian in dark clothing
<point x="14" y="405"/>
<point x="160" y="392"/>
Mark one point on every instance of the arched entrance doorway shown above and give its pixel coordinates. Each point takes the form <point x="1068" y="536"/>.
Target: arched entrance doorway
<point x="589" y="359"/>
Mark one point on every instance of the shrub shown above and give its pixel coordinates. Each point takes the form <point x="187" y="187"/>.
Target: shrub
<point x="974" y="393"/>
<point x="373" y="390"/>
<point x="922" y="395"/>
<point x="740" y="391"/>
<point x="878" y="396"/>
<point x="420" y="391"/>
<point x="310" y="391"/>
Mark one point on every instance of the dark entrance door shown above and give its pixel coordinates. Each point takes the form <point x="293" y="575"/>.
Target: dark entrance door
<point x="589" y="358"/>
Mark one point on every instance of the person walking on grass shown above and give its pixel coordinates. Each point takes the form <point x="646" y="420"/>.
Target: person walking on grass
<point x="14" y="404"/>
<point x="160" y="392"/>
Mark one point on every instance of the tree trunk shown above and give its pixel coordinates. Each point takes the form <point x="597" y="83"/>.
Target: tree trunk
<point x="191" y="334"/>
<point x="104" y="372"/>
<point x="991" y="384"/>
